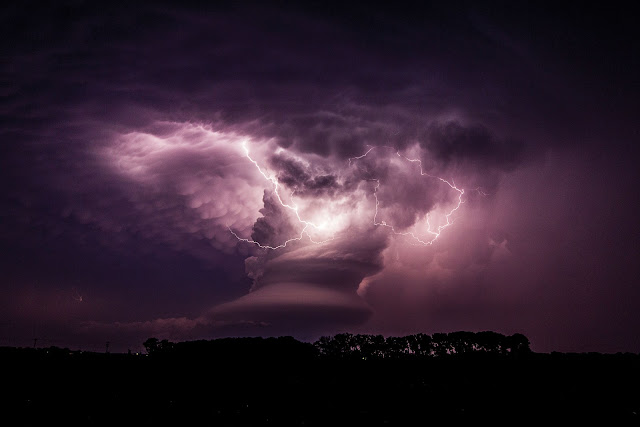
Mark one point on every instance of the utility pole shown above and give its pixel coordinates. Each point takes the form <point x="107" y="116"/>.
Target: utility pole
<point x="35" y="340"/>
<point x="107" y="347"/>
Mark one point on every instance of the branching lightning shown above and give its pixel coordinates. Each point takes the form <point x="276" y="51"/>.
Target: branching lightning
<point x="433" y="232"/>
<point x="293" y="208"/>
<point x="360" y="157"/>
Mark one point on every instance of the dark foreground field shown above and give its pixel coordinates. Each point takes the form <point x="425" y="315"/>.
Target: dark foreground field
<point x="52" y="386"/>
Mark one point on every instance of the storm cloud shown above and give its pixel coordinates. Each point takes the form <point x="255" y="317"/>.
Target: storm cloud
<point x="417" y="168"/>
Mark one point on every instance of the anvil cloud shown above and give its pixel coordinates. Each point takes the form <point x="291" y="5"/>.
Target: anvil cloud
<point x="151" y="154"/>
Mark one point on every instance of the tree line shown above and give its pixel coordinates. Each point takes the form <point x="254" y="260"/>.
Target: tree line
<point x="353" y="346"/>
<point x="348" y="345"/>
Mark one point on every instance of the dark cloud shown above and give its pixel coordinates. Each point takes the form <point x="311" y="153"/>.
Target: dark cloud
<point x="475" y="145"/>
<point x="295" y="175"/>
<point x="273" y="224"/>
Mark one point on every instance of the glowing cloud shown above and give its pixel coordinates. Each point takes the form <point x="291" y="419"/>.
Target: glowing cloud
<point x="198" y="172"/>
<point x="433" y="233"/>
<point x="327" y="217"/>
<point x="294" y="208"/>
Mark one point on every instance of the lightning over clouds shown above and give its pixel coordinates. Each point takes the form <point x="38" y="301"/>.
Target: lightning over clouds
<point x="195" y="171"/>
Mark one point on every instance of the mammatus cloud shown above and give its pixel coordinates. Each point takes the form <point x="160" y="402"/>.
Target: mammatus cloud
<point x="203" y="170"/>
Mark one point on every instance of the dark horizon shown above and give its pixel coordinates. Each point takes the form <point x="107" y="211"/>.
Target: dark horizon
<point x="264" y="382"/>
<point x="344" y="346"/>
<point x="143" y="348"/>
<point x="193" y="171"/>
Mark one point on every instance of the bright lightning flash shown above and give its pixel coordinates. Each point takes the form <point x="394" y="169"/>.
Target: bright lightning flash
<point x="433" y="233"/>
<point x="329" y="221"/>
<point x="321" y="227"/>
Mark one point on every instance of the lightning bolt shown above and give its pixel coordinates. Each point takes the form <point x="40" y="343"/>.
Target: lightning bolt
<point x="359" y="157"/>
<point x="435" y="233"/>
<point x="293" y="208"/>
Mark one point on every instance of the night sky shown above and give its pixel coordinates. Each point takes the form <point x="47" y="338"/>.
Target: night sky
<point x="269" y="169"/>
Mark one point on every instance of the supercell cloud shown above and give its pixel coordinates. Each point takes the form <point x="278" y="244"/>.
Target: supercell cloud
<point x="260" y="169"/>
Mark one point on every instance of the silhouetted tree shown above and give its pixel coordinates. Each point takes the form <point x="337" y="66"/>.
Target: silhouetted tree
<point x="360" y="346"/>
<point x="397" y="347"/>
<point x="323" y="344"/>
<point x="165" y="345"/>
<point x="338" y="346"/>
<point x="372" y="346"/>
<point x="346" y="345"/>
<point x="421" y="345"/>
<point x="441" y="344"/>
<point x="489" y="341"/>
<point x="461" y="342"/>
<point x="518" y="344"/>
<point x="151" y="345"/>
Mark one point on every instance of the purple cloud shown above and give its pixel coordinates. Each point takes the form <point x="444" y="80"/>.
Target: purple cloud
<point x="150" y="154"/>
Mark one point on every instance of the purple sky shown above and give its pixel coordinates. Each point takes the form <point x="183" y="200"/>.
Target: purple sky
<point x="247" y="169"/>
